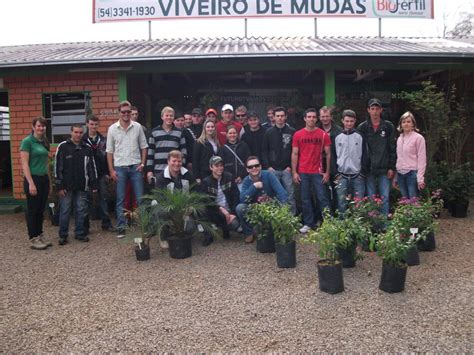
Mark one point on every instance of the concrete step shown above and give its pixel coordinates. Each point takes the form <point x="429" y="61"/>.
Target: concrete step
<point x="10" y="209"/>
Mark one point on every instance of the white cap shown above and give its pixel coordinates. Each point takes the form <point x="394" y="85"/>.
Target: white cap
<point x="227" y="107"/>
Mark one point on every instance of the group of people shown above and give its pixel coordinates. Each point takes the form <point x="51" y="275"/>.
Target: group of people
<point x="236" y="160"/>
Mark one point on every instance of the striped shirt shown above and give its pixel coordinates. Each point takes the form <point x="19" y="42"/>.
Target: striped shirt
<point x="160" y="143"/>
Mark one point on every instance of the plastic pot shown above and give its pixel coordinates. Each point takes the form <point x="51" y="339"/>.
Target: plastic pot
<point x="143" y="253"/>
<point x="393" y="278"/>
<point x="180" y="248"/>
<point x="286" y="255"/>
<point x="412" y="257"/>
<point x="347" y="255"/>
<point x="429" y="244"/>
<point x="459" y="208"/>
<point x="330" y="277"/>
<point x="266" y="244"/>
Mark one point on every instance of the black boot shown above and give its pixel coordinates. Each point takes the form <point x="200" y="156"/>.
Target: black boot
<point x="225" y="234"/>
<point x="207" y="240"/>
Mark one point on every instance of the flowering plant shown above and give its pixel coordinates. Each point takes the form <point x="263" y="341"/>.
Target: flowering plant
<point x="436" y="200"/>
<point x="414" y="213"/>
<point x="328" y="237"/>
<point x="368" y="210"/>
<point x="271" y="214"/>
<point x="393" y="248"/>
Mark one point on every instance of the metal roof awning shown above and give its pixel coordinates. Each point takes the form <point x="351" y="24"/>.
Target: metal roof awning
<point x="220" y="48"/>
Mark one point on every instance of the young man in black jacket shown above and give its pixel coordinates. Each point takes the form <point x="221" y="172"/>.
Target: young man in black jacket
<point x="75" y="174"/>
<point x="98" y="143"/>
<point x="253" y="134"/>
<point x="276" y="153"/>
<point x="382" y="152"/>
<point x="222" y="188"/>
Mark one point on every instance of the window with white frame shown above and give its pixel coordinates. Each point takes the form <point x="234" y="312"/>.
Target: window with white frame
<point x="62" y="110"/>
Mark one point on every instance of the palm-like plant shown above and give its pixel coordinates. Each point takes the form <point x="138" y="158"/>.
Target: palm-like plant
<point x="178" y="212"/>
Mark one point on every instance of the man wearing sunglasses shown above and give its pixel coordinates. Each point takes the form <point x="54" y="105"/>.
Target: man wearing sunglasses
<point x="126" y="157"/>
<point x="259" y="185"/>
<point x="241" y="115"/>
<point x="196" y="125"/>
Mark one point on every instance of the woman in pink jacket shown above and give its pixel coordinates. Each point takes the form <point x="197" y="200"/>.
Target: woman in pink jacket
<point x="411" y="157"/>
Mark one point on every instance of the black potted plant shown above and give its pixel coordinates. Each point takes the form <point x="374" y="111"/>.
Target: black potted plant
<point x="356" y="231"/>
<point x="142" y="227"/>
<point x="177" y="216"/>
<point x="260" y="216"/>
<point x="369" y="211"/>
<point x="393" y="247"/>
<point x="414" y="216"/>
<point x="284" y="227"/>
<point x="459" y="188"/>
<point x="328" y="238"/>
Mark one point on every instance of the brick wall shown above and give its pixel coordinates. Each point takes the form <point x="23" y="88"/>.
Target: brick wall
<point x="25" y="100"/>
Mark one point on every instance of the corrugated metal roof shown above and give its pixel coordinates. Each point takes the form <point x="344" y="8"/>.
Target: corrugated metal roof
<point x="188" y="48"/>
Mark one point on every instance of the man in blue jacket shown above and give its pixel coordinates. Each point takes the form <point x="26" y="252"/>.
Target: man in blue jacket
<point x="257" y="186"/>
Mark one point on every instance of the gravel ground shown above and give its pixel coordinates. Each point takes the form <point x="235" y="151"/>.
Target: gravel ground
<point x="95" y="297"/>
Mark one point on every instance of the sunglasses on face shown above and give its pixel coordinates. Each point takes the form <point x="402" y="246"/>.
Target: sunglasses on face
<point x="126" y="112"/>
<point x="244" y="115"/>
<point x="253" y="166"/>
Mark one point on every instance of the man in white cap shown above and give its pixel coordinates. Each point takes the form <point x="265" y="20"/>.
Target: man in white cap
<point x="227" y="120"/>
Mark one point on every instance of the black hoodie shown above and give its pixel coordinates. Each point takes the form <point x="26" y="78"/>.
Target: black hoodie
<point x="276" y="151"/>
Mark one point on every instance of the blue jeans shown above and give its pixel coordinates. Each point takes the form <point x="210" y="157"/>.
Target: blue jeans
<point x="79" y="198"/>
<point x="286" y="180"/>
<point x="383" y="183"/>
<point x="349" y="185"/>
<point x="125" y="173"/>
<point x="321" y="190"/>
<point x="408" y="184"/>
<point x="241" y="212"/>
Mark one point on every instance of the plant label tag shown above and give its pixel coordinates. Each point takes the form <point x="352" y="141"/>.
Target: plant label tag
<point x="413" y="230"/>
<point x="200" y="228"/>
<point x="138" y="240"/>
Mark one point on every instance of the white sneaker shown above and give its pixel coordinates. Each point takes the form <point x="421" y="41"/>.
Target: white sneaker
<point x="164" y="244"/>
<point x="305" y="229"/>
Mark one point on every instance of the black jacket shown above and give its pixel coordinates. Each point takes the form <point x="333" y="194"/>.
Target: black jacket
<point x="254" y="140"/>
<point x="231" y="163"/>
<point x="201" y="155"/>
<point x="228" y="186"/>
<point x="276" y="150"/>
<point x="98" y="150"/>
<point x="184" y="181"/>
<point x="195" y="130"/>
<point x="188" y="137"/>
<point x="381" y="146"/>
<point x="74" y="167"/>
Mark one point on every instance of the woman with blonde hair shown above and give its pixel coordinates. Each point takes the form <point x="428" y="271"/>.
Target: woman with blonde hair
<point x="411" y="157"/>
<point x="205" y="147"/>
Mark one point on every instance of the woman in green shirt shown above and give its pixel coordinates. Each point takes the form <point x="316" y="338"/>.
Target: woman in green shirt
<point x="34" y="152"/>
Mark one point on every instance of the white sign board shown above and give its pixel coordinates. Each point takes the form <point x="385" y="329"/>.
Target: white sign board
<point x="128" y="10"/>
